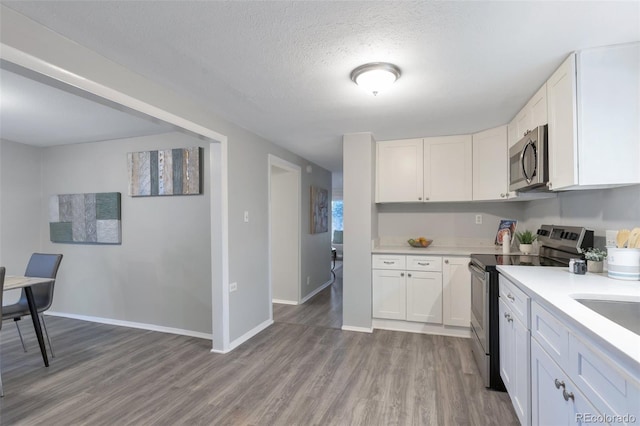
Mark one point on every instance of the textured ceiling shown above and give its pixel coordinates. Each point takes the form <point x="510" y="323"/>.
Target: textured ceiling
<point x="281" y="69"/>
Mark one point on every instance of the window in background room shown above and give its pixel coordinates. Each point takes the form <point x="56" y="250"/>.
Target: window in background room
<point x="336" y="221"/>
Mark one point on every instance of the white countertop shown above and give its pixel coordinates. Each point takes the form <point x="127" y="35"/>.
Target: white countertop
<point x="436" y="250"/>
<point x="556" y="289"/>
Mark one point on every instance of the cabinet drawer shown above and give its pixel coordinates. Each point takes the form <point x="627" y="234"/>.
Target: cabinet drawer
<point x="551" y="334"/>
<point x="515" y="299"/>
<point x="612" y="391"/>
<point x="424" y="263"/>
<point x="388" y="261"/>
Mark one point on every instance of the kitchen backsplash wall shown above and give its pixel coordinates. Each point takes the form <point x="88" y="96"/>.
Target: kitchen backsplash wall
<point x="598" y="210"/>
<point x="446" y="220"/>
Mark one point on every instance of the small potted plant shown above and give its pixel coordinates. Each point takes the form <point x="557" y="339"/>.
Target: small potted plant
<point x="526" y="240"/>
<point x="595" y="259"/>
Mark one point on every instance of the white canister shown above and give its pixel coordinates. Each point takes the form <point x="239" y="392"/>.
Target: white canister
<point x="623" y="263"/>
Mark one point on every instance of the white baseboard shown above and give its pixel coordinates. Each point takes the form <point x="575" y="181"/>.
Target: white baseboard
<point x="422" y="328"/>
<point x="246" y="336"/>
<point x="131" y="324"/>
<point x="358" y="329"/>
<point x="316" y="291"/>
<point x="284" y="302"/>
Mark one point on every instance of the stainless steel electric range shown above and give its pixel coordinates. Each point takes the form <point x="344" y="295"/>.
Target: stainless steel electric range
<point x="558" y="244"/>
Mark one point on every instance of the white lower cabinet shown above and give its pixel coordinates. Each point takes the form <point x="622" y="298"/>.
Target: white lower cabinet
<point x="514" y="349"/>
<point x="555" y="398"/>
<point x="424" y="296"/>
<point x="389" y="294"/>
<point x="422" y="289"/>
<point x="456" y="291"/>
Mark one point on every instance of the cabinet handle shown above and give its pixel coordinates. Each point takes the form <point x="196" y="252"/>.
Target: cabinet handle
<point x="559" y="384"/>
<point x="388" y="262"/>
<point x="508" y="317"/>
<point x="446" y="261"/>
<point x="419" y="198"/>
<point x="510" y="297"/>
<point x="424" y="263"/>
<point x="567" y="395"/>
<point x="426" y="198"/>
<point x="502" y="195"/>
<point x="409" y="275"/>
<point x="402" y="274"/>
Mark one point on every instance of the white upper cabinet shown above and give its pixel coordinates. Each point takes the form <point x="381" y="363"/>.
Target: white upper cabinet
<point x="533" y="114"/>
<point x="448" y="174"/>
<point x="399" y="171"/>
<point x="430" y="169"/>
<point x="594" y="130"/>
<point x="490" y="161"/>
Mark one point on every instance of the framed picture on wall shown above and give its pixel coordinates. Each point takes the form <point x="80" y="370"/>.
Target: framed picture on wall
<point x="319" y="210"/>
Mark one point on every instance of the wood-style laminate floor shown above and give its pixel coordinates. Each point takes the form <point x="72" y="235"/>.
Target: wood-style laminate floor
<point x="323" y="310"/>
<point x="290" y="374"/>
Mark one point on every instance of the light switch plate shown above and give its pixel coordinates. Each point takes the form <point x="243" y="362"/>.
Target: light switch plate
<point x="246" y="216"/>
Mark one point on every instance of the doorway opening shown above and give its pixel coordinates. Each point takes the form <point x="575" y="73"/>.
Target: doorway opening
<point x="284" y="232"/>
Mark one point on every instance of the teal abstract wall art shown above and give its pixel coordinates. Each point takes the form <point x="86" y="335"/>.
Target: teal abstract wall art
<point x="85" y="218"/>
<point x="166" y="172"/>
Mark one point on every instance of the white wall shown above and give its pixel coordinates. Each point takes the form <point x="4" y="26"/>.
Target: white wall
<point x="161" y="274"/>
<point x="598" y="210"/>
<point x="360" y="223"/>
<point x="247" y="165"/>
<point x="19" y="207"/>
<point x="285" y="274"/>
<point x="444" y="221"/>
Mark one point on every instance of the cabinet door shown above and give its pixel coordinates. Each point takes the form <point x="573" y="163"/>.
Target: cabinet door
<point x="389" y="294"/>
<point x="538" y="107"/>
<point x="561" y="100"/>
<point x="490" y="161"/>
<point x="548" y="407"/>
<point x="555" y="400"/>
<point x="424" y="297"/>
<point x="506" y="346"/>
<point x="520" y="374"/>
<point x="523" y="122"/>
<point x="399" y="171"/>
<point x="512" y="133"/>
<point x="456" y="289"/>
<point x="448" y="174"/>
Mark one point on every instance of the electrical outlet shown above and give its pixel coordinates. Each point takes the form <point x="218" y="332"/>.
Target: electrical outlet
<point x="233" y="287"/>
<point x="308" y="280"/>
<point x="611" y="238"/>
<point x="478" y="219"/>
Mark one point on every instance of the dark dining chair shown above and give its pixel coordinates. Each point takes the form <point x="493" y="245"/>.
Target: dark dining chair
<point x="2" y="271"/>
<point x="40" y="265"/>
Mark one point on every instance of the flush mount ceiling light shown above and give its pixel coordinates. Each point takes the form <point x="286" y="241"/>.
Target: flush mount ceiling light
<point x="375" y="76"/>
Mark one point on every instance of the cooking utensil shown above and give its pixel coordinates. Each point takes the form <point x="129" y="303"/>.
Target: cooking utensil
<point x="634" y="238"/>
<point x="622" y="238"/>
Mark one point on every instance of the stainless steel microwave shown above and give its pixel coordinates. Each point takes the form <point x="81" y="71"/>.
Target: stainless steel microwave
<point x="529" y="162"/>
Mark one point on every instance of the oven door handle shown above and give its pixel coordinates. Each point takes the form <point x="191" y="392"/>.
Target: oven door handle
<point x="475" y="270"/>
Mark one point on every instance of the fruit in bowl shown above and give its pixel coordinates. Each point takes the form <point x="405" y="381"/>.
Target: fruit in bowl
<point x="420" y="242"/>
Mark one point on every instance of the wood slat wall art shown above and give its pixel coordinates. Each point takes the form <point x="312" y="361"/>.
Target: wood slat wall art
<point x="93" y="218"/>
<point x="166" y="172"/>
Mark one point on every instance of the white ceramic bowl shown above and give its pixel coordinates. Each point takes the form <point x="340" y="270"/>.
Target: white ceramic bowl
<point x="624" y="263"/>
